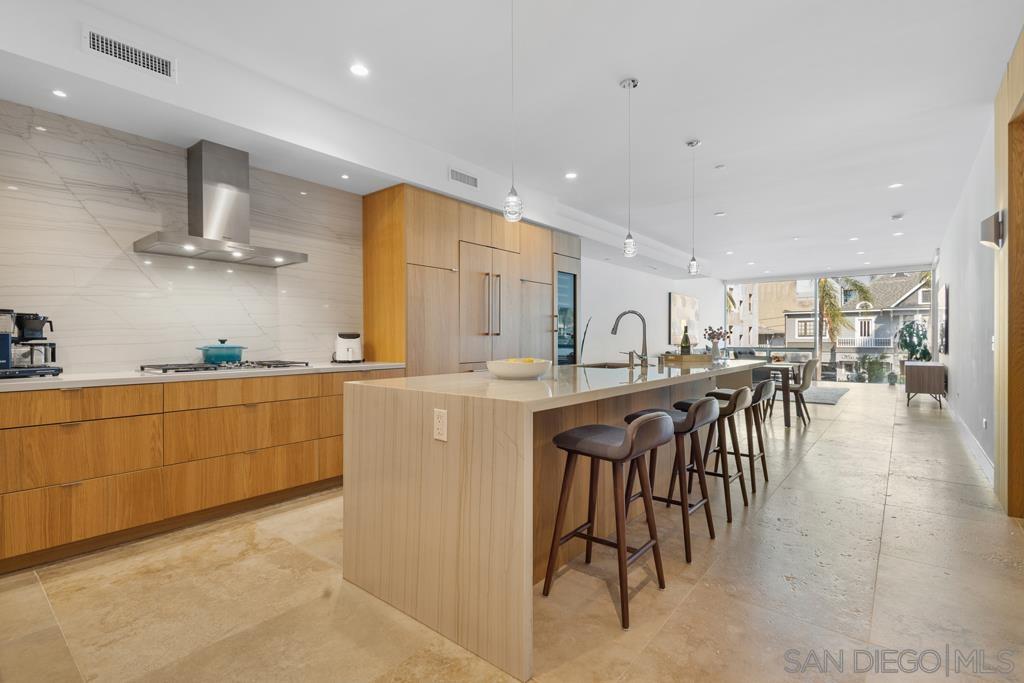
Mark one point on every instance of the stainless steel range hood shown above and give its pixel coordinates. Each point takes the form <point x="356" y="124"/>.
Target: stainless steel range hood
<point x="218" y="213"/>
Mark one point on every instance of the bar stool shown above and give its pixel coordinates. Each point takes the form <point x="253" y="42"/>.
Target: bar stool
<point x="617" y="446"/>
<point x="726" y="420"/>
<point x="754" y="415"/>
<point x="702" y="413"/>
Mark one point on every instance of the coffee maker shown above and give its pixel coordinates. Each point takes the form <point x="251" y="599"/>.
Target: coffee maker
<point x="24" y="350"/>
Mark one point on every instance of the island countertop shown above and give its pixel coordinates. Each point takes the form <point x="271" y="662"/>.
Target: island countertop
<point x="564" y="385"/>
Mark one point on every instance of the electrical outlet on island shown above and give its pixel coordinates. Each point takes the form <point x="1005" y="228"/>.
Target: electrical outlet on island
<point x="440" y="424"/>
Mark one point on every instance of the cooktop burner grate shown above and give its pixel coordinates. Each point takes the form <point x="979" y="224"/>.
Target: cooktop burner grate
<point x="206" y="367"/>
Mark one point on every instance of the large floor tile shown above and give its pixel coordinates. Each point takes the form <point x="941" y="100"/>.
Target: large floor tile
<point x="942" y="497"/>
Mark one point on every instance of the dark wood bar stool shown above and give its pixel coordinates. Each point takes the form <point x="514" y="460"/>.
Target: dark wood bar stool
<point x="702" y="413"/>
<point x="617" y="446"/>
<point x="754" y="414"/>
<point x="726" y="420"/>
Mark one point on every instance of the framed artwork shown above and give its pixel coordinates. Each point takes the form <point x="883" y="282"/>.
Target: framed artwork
<point x="682" y="311"/>
<point x="944" y="320"/>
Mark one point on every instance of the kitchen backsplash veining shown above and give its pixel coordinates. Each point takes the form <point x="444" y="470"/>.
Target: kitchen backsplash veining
<point x="82" y="194"/>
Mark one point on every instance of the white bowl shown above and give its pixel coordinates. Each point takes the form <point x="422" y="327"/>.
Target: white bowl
<point x="504" y="369"/>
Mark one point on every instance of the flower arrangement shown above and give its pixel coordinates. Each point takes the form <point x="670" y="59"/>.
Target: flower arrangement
<point x="717" y="334"/>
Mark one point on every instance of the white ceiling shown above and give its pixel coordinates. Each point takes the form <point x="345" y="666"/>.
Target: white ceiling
<point x="814" y="107"/>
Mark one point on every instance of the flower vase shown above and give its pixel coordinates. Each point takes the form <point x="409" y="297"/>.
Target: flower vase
<point x="718" y="351"/>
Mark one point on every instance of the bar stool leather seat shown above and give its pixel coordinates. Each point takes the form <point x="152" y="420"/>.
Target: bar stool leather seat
<point x="679" y="418"/>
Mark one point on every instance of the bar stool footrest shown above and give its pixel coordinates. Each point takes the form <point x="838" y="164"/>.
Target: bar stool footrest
<point x="578" y="531"/>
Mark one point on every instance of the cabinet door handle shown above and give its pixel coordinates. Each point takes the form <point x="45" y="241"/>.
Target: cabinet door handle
<point x="487" y="295"/>
<point x="498" y="278"/>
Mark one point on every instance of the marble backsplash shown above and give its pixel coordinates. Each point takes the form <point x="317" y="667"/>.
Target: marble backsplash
<point x="75" y="196"/>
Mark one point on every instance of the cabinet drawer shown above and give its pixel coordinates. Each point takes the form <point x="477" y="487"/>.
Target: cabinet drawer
<point x="47" y="517"/>
<point x="218" y="481"/>
<point x="331" y="416"/>
<point x="209" y="432"/>
<point x="50" y="406"/>
<point x="33" y="457"/>
<point x="330" y="457"/>
<point x="229" y="392"/>
<point x="333" y="383"/>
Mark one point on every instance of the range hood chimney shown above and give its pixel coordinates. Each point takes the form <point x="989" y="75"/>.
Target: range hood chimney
<point x="218" y="213"/>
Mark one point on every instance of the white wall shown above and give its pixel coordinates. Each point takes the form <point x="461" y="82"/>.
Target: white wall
<point x="85" y="194"/>
<point x="967" y="267"/>
<point x="609" y="289"/>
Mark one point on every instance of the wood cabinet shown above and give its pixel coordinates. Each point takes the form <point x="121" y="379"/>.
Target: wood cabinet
<point x="489" y="303"/>
<point x="33" y="457"/>
<point x="330" y="457"/>
<point x="433" y="321"/>
<point x="52" y="516"/>
<point x="565" y="244"/>
<point x="52" y="406"/>
<point x="445" y="282"/>
<point x="535" y="253"/>
<point x="537" y="332"/>
<point x="431" y="229"/>
<point x="227" y="392"/>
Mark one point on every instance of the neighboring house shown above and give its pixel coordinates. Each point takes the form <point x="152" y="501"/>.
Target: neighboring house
<point x="898" y="299"/>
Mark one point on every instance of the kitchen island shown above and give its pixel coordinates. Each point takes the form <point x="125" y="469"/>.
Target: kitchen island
<point x="451" y="522"/>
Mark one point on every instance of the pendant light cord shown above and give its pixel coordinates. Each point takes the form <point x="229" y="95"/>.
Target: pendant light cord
<point x="629" y="166"/>
<point x="693" y="203"/>
<point x="512" y="25"/>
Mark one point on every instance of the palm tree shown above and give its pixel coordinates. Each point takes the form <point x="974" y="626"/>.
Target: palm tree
<point x="830" y="306"/>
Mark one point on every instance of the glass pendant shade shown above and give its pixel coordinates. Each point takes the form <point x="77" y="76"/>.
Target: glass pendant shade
<point x="513" y="208"/>
<point x="693" y="268"/>
<point x="629" y="246"/>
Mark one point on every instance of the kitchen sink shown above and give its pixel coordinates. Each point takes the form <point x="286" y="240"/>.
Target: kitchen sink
<point x="611" y="365"/>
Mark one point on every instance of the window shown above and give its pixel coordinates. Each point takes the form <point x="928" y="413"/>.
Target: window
<point x="924" y="295"/>
<point x="805" y="329"/>
<point x="849" y="295"/>
<point x="864" y="326"/>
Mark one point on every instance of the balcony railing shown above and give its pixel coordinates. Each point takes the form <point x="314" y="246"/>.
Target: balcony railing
<point x="864" y="343"/>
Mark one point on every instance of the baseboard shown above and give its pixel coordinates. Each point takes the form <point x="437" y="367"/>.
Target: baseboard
<point x="975" y="449"/>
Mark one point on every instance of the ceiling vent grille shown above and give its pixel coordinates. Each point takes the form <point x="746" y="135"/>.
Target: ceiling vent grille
<point x="458" y="176"/>
<point x="129" y="54"/>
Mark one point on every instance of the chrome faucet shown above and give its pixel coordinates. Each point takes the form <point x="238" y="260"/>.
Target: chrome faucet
<point x="643" y="322"/>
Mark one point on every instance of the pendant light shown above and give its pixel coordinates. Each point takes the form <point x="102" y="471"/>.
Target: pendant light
<point x="693" y="268"/>
<point x="629" y="249"/>
<point x="513" y="207"/>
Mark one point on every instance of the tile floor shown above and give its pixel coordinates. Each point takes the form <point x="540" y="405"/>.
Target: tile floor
<point x="877" y="531"/>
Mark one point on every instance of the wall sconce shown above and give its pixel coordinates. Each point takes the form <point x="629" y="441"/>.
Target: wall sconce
<point x="992" y="231"/>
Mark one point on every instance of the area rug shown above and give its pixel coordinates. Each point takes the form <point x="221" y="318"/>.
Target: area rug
<point x="824" y="395"/>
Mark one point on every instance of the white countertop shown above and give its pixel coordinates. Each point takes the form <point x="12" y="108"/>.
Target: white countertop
<point x="565" y="385"/>
<point x="107" y="379"/>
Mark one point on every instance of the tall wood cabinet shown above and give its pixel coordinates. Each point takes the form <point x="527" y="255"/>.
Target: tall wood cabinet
<point x="449" y="285"/>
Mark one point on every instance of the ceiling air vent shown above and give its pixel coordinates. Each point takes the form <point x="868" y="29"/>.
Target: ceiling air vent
<point x="460" y="177"/>
<point x="129" y="54"/>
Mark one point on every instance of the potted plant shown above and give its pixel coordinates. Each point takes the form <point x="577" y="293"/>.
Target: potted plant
<point x="912" y="339"/>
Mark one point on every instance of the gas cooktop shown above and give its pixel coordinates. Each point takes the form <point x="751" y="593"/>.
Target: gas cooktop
<point x="164" y="368"/>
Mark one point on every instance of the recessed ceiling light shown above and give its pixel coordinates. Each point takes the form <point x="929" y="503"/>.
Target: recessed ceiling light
<point x="767" y="271"/>
<point x="189" y="247"/>
<point x="796" y="239"/>
<point x="860" y="253"/>
<point x="750" y="263"/>
<point x="572" y="175"/>
<point x="278" y="259"/>
<point x="230" y="271"/>
<point x="303" y="193"/>
<point x="236" y="254"/>
<point x="148" y="262"/>
<point x="854" y="239"/>
<point x="719" y="214"/>
<point x="867" y="263"/>
<point x="728" y="253"/>
<point x="41" y="129"/>
<point x="895" y="186"/>
<point x="191" y="267"/>
<point x="284" y="291"/>
<point x="344" y="176"/>
<point x="60" y="93"/>
<point x="12" y="187"/>
<point x="828" y="267"/>
<point x="359" y="69"/>
<point x="896" y="217"/>
<point x="897" y="234"/>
